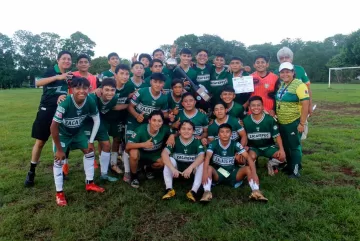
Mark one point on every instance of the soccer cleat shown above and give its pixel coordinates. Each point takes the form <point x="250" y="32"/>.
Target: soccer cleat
<point x="108" y="178"/>
<point x="258" y="196"/>
<point x="191" y="196"/>
<point x="127" y="177"/>
<point x="60" y="199"/>
<point x="65" y="169"/>
<point x="270" y="169"/>
<point x="150" y="175"/>
<point x="94" y="188"/>
<point x="206" y="197"/>
<point x="116" y="169"/>
<point x="29" y="181"/>
<point x="135" y="183"/>
<point x="96" y="165"/>
<point x="170" y="193"/>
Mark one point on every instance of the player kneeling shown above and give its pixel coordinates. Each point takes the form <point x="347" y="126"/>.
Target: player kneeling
<point x="66" y="131"/>
<point x="187" y="156"/>
<point x="146" y="144"/>
<point x="222" y="154"/>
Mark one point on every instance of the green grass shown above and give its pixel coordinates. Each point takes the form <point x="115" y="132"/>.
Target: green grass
<point x="324" y="204"/>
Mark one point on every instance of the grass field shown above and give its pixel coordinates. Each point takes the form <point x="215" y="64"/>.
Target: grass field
<point x="324" y="204"/>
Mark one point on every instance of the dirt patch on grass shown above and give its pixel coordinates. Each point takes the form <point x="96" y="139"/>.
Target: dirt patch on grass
<point x="307" y="152"/>
<point x="349" y="172"/>
<point x="338" y="108"/>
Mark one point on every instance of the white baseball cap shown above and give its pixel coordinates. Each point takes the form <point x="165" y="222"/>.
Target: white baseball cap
<point x="286" y="65"/>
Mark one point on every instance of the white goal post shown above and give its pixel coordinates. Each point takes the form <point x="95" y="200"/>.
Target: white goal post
<point x="340" y="68"/>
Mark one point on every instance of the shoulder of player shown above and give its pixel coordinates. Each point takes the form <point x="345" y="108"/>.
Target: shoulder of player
<point x="299" y="68"/>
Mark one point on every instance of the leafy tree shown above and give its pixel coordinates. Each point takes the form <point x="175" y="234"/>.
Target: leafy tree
<point x="7" y="63"/>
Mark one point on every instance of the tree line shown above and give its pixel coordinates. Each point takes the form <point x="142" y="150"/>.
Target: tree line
<point x="26" y="55"/>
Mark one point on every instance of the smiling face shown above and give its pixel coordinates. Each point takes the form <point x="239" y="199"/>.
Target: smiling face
<point x="114" y="61"/>
<point x="157" y="85"/>
<point x="227" y="97"/>
<point x="108" y="92"/>
<point x="287" y="75"/>
<point x="285" y="58"/>
<point x="256" y="107"/>
<point x="64" y="62"/>
<point x="145" y="62"/>
<point x="202" y="58"/>
<point x="156" y="122"/>
<point x="185" y="59"/>
<point x="122" y="76"/>
<point x="186" y="131"/>
<point x="83" y="65"/>
<point x="80" y="93"/>
<point x="219" y="62"/>
<point x="261" y="65"/>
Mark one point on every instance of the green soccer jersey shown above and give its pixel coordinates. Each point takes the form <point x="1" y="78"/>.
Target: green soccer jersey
<point x="224" y="156"/>
<point x="146" y="103"/>
<point x="241" y="98"/>
<point x="203" y="75"/>
<point x="300" y="73"/>
<point x="121" y="97"/>
<point x="232" y="121"/>
<point x="147" y="72"/>
<point x="199" y="119"/>
<point x="135" y="86"/>
<point x="236" y="110"/>
<point x="53" y="90"/>
<point x="217" y="81"/>
<point x="172" y="103"/>
<point x="142" y="134"/>
<point x="190" y="72"/>
<point x="71" y="116"/>
<point x="167" y="85"/>
<point x="107" y="74"/>
<point x="185" y="152"/>
<point x="261" y="133"/>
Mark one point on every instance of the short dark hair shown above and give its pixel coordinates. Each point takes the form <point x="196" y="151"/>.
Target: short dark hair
<point x="237" y="58"/>
<point x="186" y="121"/>
<point x="185" y="51"/>
<point x="122" y="67"/>
<point x="79" y="81"/>
<point x="158" y="76"/>
<point x="155" y="61"/>
<point x="220" y="102"/>
<point x="112" y="55"/>
<point x="261" y="57"/>
<point x="135" y="63"/>
<point x="186" y="94"/>
<point x="145" y="56"/>
<point x="157" y="112"/>
<point x="202" y="50"/>
<point x="158" y="50"/>
<point x="177" y="81"/>
<point x="255" y="97"/>
<point x="83" y="56"/>
<point x="225" y="125"/>
<point x="108" y="82"/>
<point x="228" y="88"/>
<point x="221" y="55"/>
<point x="61" y="53"/>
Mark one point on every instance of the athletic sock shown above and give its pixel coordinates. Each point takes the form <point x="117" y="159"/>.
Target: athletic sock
<point x="207" y="186"/>
<point x="125" y="158"/>
<point x="58" y="175"/>
<point x="197" y="178"/>
<point x="89" y="166"/>
<point x="113" y="159"/>
<point x="33" y="166"/>
<point x="253" y="185"/>
<point x="168" y="177"/>
<point x="104" y="162"/>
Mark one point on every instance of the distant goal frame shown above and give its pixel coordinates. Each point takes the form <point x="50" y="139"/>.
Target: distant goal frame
<point x="340" y="68"/>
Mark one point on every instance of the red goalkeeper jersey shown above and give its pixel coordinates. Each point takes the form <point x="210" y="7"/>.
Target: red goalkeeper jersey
<point x="265" y="88"/>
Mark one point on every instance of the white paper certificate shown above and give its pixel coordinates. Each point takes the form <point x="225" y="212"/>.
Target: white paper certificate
<point x="244" y="84"/>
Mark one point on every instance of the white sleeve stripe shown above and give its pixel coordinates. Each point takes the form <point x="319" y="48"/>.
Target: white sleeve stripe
<point x="133" y="102"/>
<point x="276" y="135"/>
<point x="200" y="153"/>
<point x="56" y="120"/>
<point x="167" y="149"/>
<point x="241" y="151"/>
<point x="209" y="150"/>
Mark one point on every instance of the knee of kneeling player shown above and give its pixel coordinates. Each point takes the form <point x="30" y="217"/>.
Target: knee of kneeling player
<point x="158" y="164"/>
<point x="133" y="154"/>
<point x="105" y="146"/>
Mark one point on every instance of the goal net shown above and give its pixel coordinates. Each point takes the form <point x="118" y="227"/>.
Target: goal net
<point x="344" y="75"/>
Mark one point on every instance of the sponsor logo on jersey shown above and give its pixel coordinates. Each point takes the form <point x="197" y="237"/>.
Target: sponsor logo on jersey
<point x="185" y="151"/>
<point x="184" y="158"/>
<point x="223" y="160"/>
<point x="58" y="114"/>
<point x="266" y="86"/>
<point x="121" y="100"/>
<point x="78" y="112"/>
<point x="198" y="130"/>
<point x="257" y="128"/>
<point x="153" y="102"/>
<point x="74" y="122"/>
<point x="133" y="135"/>
<point x="259" y="136"/>
<point x="220" y="82"/>
<point x="224" y="152"/>
<point x="275" y="127"/>
<point x="203" y="78"/>
<point x="145" y="108"/>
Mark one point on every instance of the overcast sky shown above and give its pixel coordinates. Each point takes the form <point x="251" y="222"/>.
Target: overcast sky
<point x="140" y="26"/>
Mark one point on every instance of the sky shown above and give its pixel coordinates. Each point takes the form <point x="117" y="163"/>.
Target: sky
<point x="140" y="26"/>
